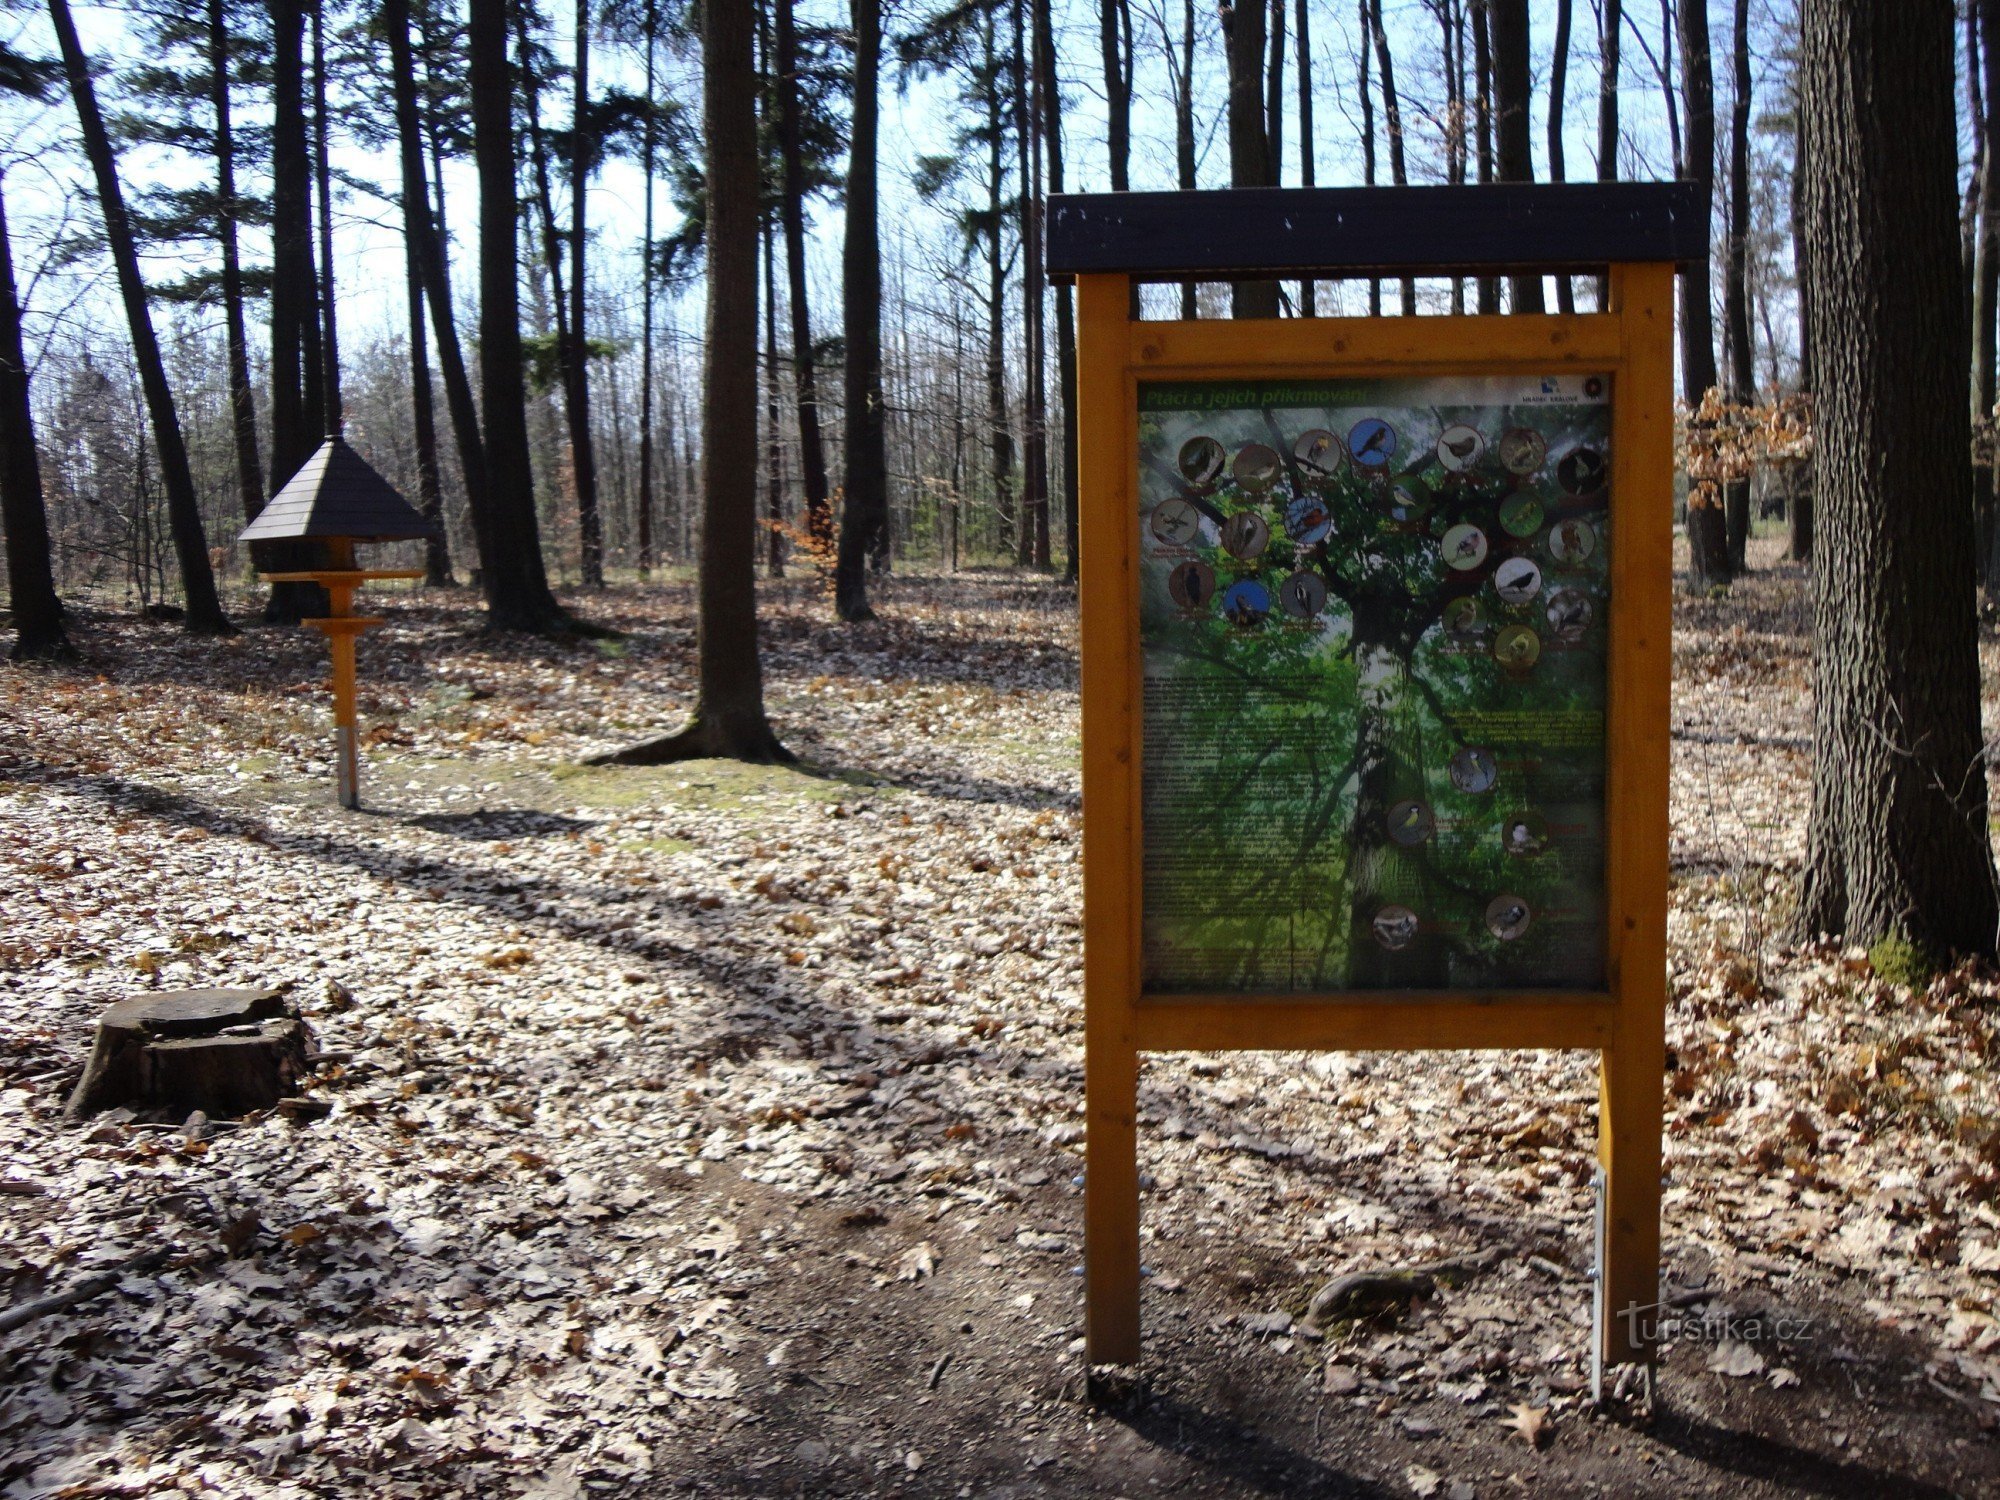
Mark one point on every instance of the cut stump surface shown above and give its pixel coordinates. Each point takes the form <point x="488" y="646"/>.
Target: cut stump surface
<point x="224" y="1052"/>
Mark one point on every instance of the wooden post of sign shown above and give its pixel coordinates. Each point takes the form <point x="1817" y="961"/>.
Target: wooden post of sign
<point x="340" y="625"/>
<point x="1110" y="685"/>
<point x="1639" y="723"/>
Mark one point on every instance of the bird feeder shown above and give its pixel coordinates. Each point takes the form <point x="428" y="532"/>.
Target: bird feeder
<point x="338" y="501"/>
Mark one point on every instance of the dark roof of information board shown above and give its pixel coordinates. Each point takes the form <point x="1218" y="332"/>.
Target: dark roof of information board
<point x="336" y="493"/>
<point x="1413" y="231"/>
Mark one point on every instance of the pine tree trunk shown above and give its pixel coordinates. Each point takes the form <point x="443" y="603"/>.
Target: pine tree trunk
<point x="1508" y="22"/>
<point x="1482" y="68"/>
<point x="576" y="402"/>
<point x="1897" y="842"/>
<point x="1707" y="518"/>
<point x="204" y="608"/>
<point x="24" y="520"/>
<point x="864" y="518"/>
<point x="792" y="213"/>
<point x="774" y="452"/>
<point x="1610" y="32"/>
<point x="1799" y="507"/>
<point x="648" y="149"/>
<point x="512" y="573"/>
<point x="1274" y="93"/>
<point x="1308" y="290"/>
<point x="1034" y="546"/>
<point x="1249" y="151"/>
<point x="1184" y="159"/>
<point x="1736" y="283"/>
<point x="297" y="381"/>
<point x="426" y="236"/>
<point x="1986" y="287"/>
<point x="1392" y="122"/>
<point x="242" y="398"/>
<point x="729" y="707"/>
<point x="1558" y="83"/>
<point x="1052" y="143"/>
<point x="1118" y="98"/>
<point x="323" y="179"/>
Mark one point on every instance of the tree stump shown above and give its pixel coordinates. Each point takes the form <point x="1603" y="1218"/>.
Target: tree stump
<point x="224" y="1052"/>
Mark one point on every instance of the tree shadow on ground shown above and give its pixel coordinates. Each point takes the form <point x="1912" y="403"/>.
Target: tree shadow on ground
<point x="491" y="825"/>
<point x="1229" y="1450"/>
<point x="944" y="785"/>
<point x="1755" y="1457"/>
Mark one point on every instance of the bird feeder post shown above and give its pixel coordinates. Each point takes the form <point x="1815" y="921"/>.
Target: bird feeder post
<point x="338" y="500"/>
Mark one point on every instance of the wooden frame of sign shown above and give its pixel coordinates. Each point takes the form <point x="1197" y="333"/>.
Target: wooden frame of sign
<point x="1633" y="234"/>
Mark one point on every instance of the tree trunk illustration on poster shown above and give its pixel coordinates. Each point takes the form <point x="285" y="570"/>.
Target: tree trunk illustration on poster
<point x="1373" y="618"/>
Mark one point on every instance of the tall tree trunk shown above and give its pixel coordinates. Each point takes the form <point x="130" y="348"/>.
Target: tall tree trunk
<point x="648" y="152"/>
<point x="1508" y="20"/>
<point x="1184" y="159"/>
<point x="323" y="182"/>
<point x="1034" y="543"/>
<point x="1707" y="520"/>
<point x="1736" y="280"/>
<point x="423" y="422"/>
<point x="298" y="379"/>
<point x="1392" y="121"/>
<point x="1986" y="285"/>
<point x="1308" y="289"/>
<point x="774" y="451"/>
<point x="1897" y="842"/>
<point x="24" y="521"/>
<point x="426" y="235"/>
<point x="512" y="574"/>
<point x="1000" y="433"/>
<point x="728" y="716"/>
<point x="792" y="213"/>
<point x="204" y="608"/>
<point x="1249" y="151"/>
<point x="1799" y="508"/>
<point x="1049" y="89"/>
<point x="1274" y="94"/>
<point x="1365" y="66"/>
<point x="1558" y="82"/>
<point x="242" y="399"/>
<point x="1611" y="28"/>
<point x="864" y="518"/>
<point x="1482" y="68"/>
<point x="1117" y="95"/>
<point x="576" y="399"/>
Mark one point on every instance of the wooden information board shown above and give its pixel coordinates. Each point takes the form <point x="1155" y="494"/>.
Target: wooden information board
<point x="1376" y="654"/>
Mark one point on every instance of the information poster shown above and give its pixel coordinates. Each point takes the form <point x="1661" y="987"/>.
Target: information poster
<point x="1373" y="620"/>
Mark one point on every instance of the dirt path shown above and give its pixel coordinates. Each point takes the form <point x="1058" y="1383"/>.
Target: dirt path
<point x="714" y="1130"/>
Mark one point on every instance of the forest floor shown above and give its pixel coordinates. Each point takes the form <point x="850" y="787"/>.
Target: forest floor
<point x="717" y="1130"/>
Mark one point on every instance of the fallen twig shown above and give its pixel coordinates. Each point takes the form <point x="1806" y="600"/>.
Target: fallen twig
<point x="84" y="1290"/>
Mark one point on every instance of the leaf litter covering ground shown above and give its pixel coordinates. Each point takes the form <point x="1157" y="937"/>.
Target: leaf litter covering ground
<point x="712" y="1129"/>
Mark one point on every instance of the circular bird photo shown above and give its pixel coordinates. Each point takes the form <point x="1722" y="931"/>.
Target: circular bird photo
<point x="1371" y="443"/>
<point x="1463" y="618"/>
<point x="1569" y="614"/>
<point x="1307" y="520"/>
<point x="1517" y="580"/>
<point x="1201" y="461"/>
<point x="1522" y="450"/>
<point x="1571" y="541"/>
<point x="1410" y="823"/>
<point x="1256" y="467"/>
<point x="1246" y="534"/>
<point x="1318" y="453"/>
<point x="1507" y="917"/>
<point x="1464" y="546"/>
<point x="1460" y="447"/>
<point x="1520" y="515"/>
<point x="1474" y="770"/>
<point x="1192" y="585"/>
<point x="1176" y="523"/>
<point x="1582" y="471"/>
<point x="1246" y="602"/>
<point x="1409" y="501"/>
<point x="1394" y="927"/>
<point x="1303" y="595"/>
<point x="1517" y="648"/>
<point x="1524" y="834"/>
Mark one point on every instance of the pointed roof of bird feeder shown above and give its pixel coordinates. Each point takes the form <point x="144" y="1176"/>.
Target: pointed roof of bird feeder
<point x="336" y="494"/>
